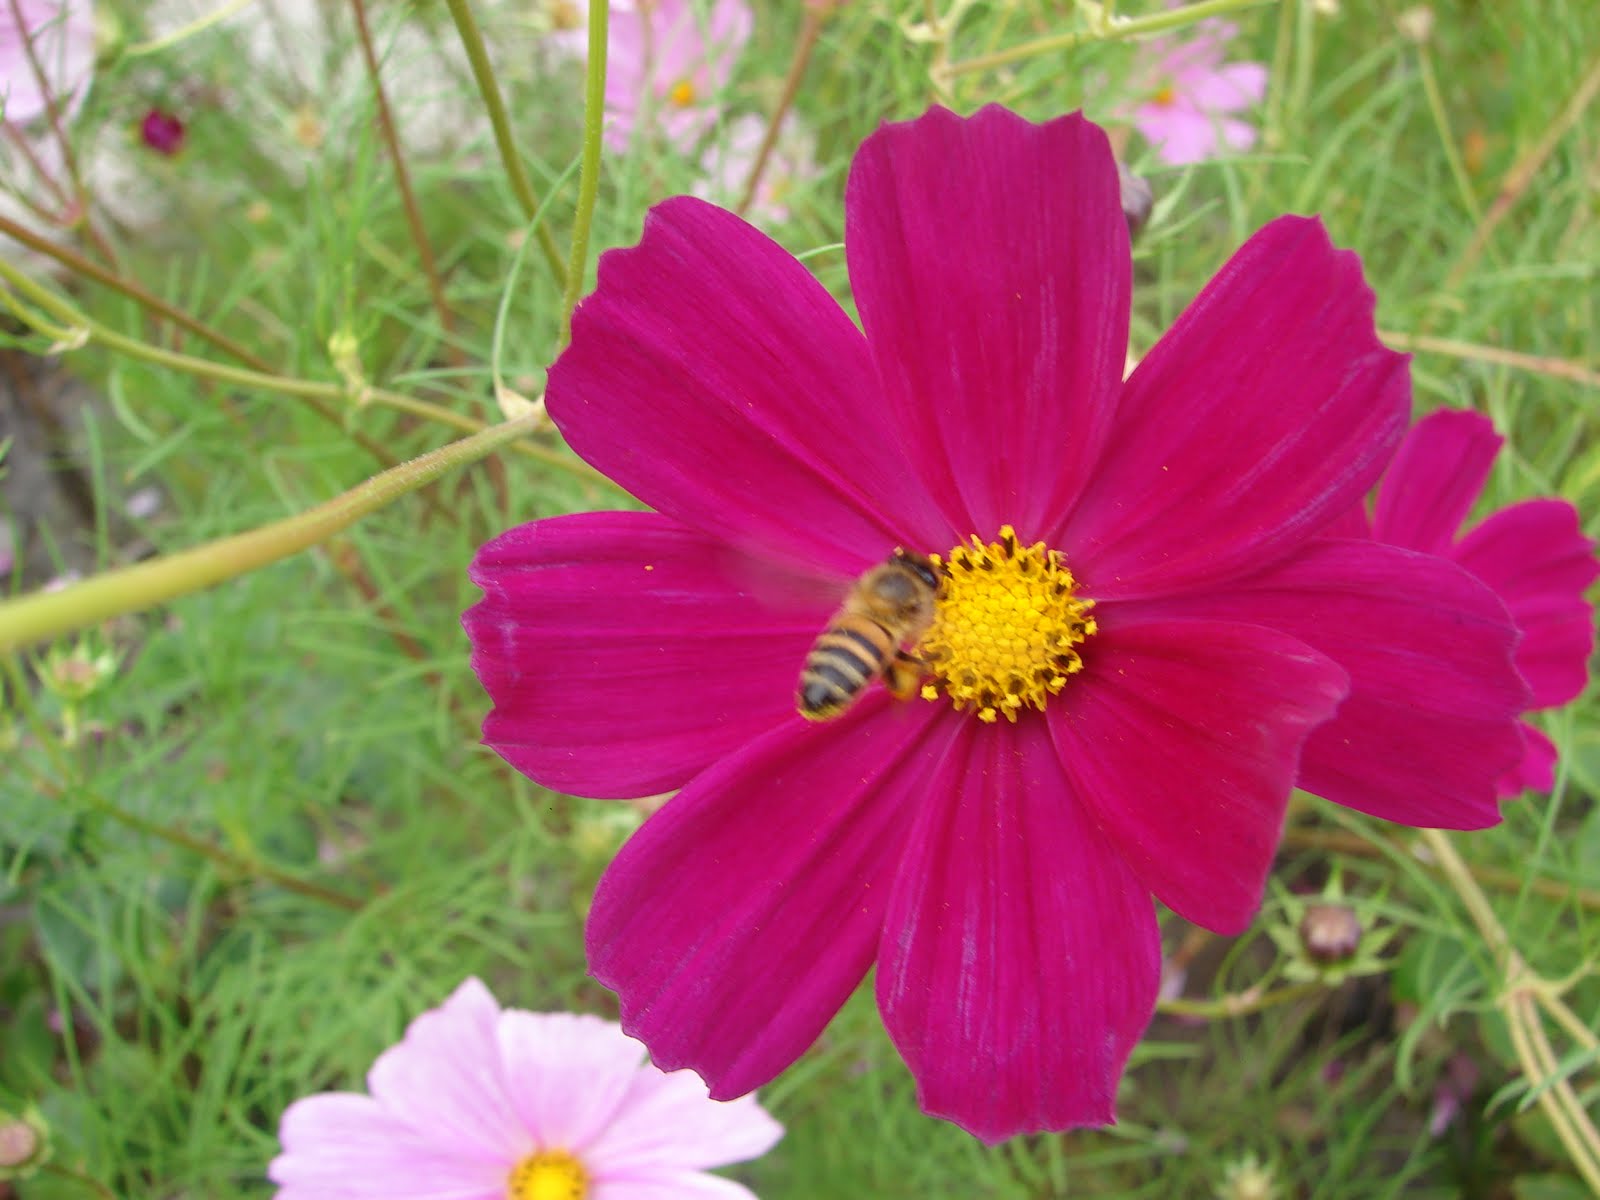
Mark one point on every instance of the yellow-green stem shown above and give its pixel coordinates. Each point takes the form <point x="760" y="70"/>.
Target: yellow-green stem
<point x="1155" y="22"/>
<point x="129" y="589"/>
<point x="594" y="116"/>
<point x="494" y="106"/>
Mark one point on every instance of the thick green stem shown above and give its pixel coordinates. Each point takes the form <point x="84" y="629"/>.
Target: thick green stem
<point x="130" y="589"/>
<point x="489" y="89"/>
<point x="594" y="116"/>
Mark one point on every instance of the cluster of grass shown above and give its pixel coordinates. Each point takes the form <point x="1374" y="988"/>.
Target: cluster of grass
<point x="267" y="837"/>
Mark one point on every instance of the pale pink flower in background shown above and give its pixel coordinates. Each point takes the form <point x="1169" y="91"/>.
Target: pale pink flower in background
<point x="1186" y="95"/>
<point x="668" y="63"/>
<point x="62" y="34"/>
<point x="726" y="164"/>
<point x="484" y="1103"/>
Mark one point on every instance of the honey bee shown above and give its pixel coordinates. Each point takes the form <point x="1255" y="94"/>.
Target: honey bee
<point x="889" y="607"/>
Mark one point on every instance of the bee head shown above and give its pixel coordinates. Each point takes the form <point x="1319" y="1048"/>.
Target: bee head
<point x="919" y="566"/>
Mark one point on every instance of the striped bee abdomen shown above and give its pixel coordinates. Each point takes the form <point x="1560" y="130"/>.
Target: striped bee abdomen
<point x="850" y="654"/>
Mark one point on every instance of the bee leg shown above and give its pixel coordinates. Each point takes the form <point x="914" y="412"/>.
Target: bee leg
<point x="903" y="674"/>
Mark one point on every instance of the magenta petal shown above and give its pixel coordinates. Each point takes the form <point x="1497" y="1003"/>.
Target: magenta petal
<point x="625" y="652"/>
<point x="1430" y="722"/>
<point x="1536" y="558"/>
<point x="715" y="379"/>
<point x="989" y="259"/>
<point x="1266" y="411"/>
<point x="1536" y="770"/>
<point x="1435" y="478"/>
<point x="740" y="917"/>
<point x="1197" y="810"/>
<point x="1020" y="954"/>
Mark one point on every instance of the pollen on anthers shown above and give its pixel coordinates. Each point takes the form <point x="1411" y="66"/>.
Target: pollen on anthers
<point x="1007" y="626"/>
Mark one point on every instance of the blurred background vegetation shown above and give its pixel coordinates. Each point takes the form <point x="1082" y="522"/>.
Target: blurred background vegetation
<point x="247" y="835"/>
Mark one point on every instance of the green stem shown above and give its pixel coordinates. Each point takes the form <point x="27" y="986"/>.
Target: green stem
<point x="1238" y="1004"/>
<point x="494" y="105"/>
<point x="594" y="115"/>
<point x="1155" y="22"/>
<point x="130" y="589"/>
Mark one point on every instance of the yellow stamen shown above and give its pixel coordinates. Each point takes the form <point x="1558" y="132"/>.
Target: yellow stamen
<point x="1164" y="96"/>
<point x="682" y="93"/>
<point x="548" y="1175"/>
<point x="1008" y="620"/>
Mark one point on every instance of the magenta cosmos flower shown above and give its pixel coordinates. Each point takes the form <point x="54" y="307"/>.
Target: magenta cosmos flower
<point x="62" y="37"/>
<point x="1188" y="95"/>
<point x="1138" y="633"/>
<point x="480" y="1103"/>
<point x="1533" y="554"/>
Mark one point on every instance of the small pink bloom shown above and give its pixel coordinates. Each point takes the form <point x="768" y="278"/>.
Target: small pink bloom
<point x="668" y="63"/>
<point x="162" y="131"/>
<point x="1187" y="95"/>
<point x="484" y="1103"/>
<point x="992" y="846"/>
<point x="62" y="37"/>
<point x="1533" y="554"/>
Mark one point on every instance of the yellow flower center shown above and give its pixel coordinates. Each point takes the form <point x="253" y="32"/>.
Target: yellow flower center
<point x="682" y="93"/>
<point x="1164" y="96"/>
<point x="548" y="1175"/>
<point x="1008" y="620"/>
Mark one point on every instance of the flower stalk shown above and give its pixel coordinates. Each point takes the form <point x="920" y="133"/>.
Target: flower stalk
<point x="594" y="116"/>
<point x="130" y="589"/>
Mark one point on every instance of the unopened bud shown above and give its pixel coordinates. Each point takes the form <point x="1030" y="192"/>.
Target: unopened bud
<point x="1330" y="933"/>
<point x="1248" y="1179"/>
<point x="77" y="674"/>
<point x="24" y="1144"/>
<point x="1416" y="24"/>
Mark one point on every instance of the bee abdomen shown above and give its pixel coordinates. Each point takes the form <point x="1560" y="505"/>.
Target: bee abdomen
<point x="846" y="658"/>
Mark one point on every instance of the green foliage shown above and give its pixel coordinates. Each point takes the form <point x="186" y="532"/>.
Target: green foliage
<point x="266" y="837"/>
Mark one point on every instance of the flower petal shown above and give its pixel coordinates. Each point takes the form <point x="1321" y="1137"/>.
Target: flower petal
<point x="1536" y="558"/>
<point x="716" y="380"/>
<point x="671" y="1185"/>
<point x="1434" y="481"/>
<point x="443" y="1079"/>
<point x="989" y="259"/>
<point x="740" y="917"/>
<point x="1536" y="770"/>
<point x="1183" y="738"/>
<point x="1225" y="89"/>
<point x="625" y="652"/>
<point x="1020" y="954"/>
<point x="668" y="1121"/>
<point x="1430" y="722"/>
<point x="1268" y="409"/>
<point x="341" y="1146"/>
<point x="567" y="1074"/>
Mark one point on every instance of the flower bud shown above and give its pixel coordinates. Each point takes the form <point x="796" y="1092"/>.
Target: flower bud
<point x="1330" y="933"/>
<point x="24" y="1144"/>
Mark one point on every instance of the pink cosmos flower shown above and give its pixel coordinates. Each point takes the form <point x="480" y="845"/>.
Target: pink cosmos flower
<point x="668" y="62"/>
<point x="1189" y="93"/>
<point x="480" y="1103"/>
<point x="1533" y="554"/>
<point x="62" y="36"/>
<point x="1122" y="674"/>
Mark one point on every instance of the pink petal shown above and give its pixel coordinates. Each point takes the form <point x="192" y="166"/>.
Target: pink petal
<point x="738" y="919"/>
<point x="1536" y="558"/>
<point x="1429" y="724"/>
<point x="668" y="1121"/>
<point x="989" y="259"/>
<point x="1179" y="135"/>
<point x="1224" y="89"/>
<point x="443" y="1079"/>
<point x="1020" y="954"/>
<point x="670" y="1185"/>
<point x="339" y="1146"/>
<point x="1266" y="411"/>
<point x="61" y="33"/>
<point x="1183" y="738"/>
<point x="1536" y="770"/>
<point x="716" y="380"/>
<point x="624" y="653"/>
<point x="567" y="1074"/>
<point x="1434" y="481"/>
